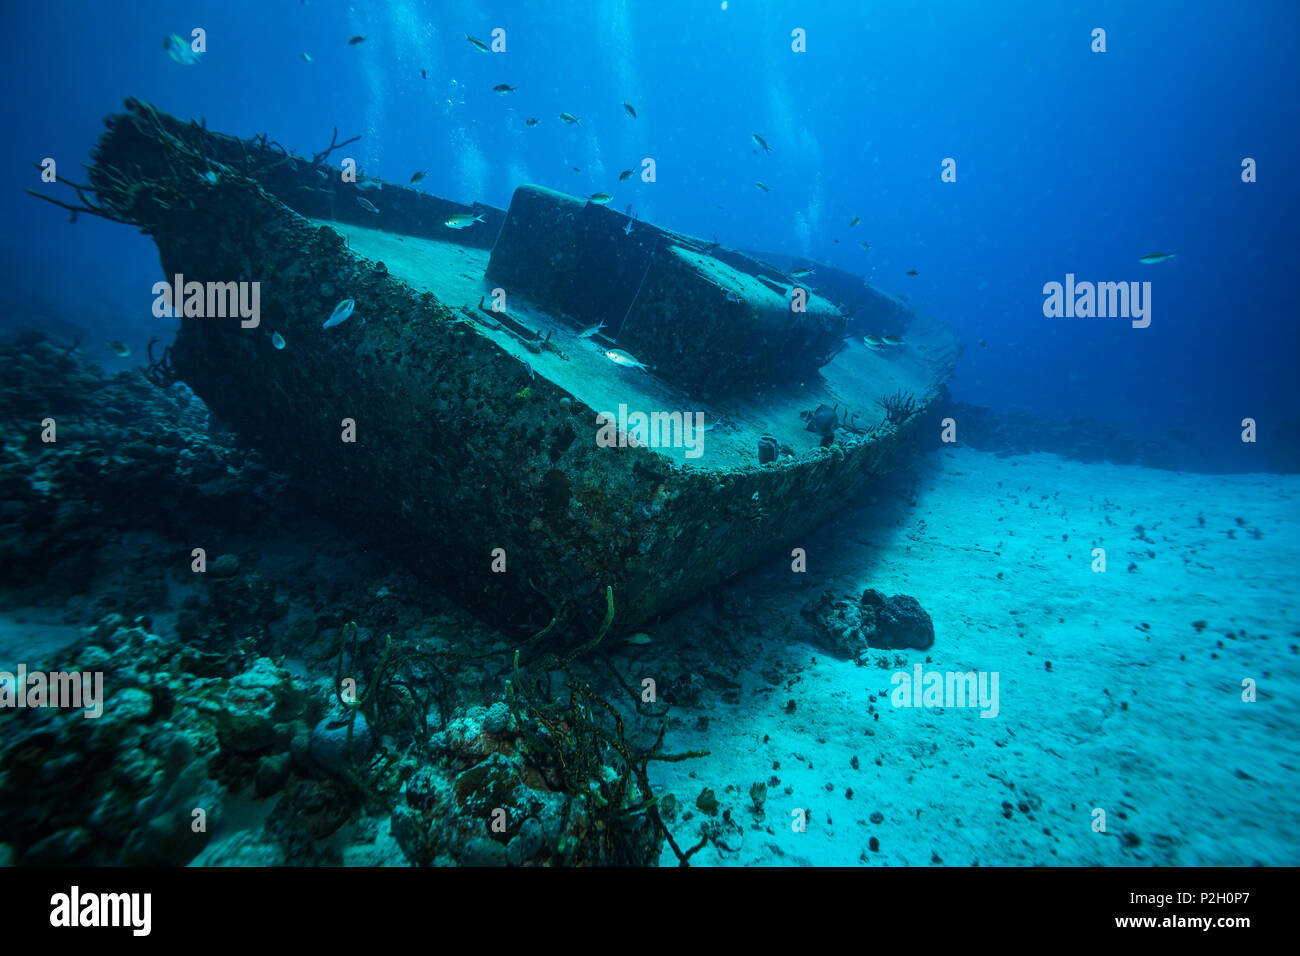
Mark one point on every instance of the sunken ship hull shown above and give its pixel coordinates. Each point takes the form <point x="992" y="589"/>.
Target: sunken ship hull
<point x="454" y="415"/>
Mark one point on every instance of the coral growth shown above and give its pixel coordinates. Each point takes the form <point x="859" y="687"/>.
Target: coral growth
<point x="898" y="407"/>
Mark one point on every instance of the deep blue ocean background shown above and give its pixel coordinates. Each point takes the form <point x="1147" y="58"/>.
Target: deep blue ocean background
<point x="1067" y="160"/>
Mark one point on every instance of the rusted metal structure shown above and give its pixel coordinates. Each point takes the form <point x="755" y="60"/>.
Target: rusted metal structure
<point x="479" y="452"/>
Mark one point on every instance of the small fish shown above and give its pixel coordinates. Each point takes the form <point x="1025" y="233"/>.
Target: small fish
<point x="342" y="312"/>
<point x="576" y="169"/>
<point x="732" y="297"/>
<point x="180" y="51"/>
<point x="416" y="177"/>
<point x="854" y="221"/>
<point x="119" y="349"/>
<point x="588" y="333"/>
<point x="569" y="118"/>
<point x="356" y="39"/>
<point x="367" y="205"/>
<point x="619" y="357"/>
<point x="872" y="341"/>
<point x="823" y="421"/>
<point x="762" y="186"/>
<point x="1155" y="257"/>
<point x="599" y="198"/>
<point x="277" y="341"/>
<point x="625" y="175"/>
<point x="531" y="121"/>
<point x="209" y="177"/>
<point x="501" y="89"/>
<point x="462" y="220"/>
<point x="891" y="340"/>
<point x="529" y="369"/>
<point x="639" y="638"/>
<point x="424" y="74"/>
<point x="802" y="273"/>
<point x="913" y="272"/>
<point x="627" y="230"/>
<point x="761" y="142"/>
<point x="365" y="185"/>
<point x="306" y="58"/>
<point x="865" y="245"/>
<point x="983" y="344"/>
<point x="628" y="107"/>
<point x="477" y="43"/>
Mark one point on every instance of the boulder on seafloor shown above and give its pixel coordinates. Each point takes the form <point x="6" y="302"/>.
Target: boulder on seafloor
<point x="850" y="626"/>
<point x="252" y="704"/>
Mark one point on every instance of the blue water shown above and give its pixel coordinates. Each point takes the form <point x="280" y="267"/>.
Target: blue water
<point x="1068" y="161"/>
<point x="1119" y="687"/>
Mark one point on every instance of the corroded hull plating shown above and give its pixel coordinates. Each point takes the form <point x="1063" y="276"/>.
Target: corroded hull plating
<point x="475" y="452"/>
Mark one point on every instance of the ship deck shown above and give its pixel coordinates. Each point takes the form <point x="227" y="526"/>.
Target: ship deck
<point x="853" y="380"/>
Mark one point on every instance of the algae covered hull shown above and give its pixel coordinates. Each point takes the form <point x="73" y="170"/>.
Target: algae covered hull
<point x="457" y="414"/>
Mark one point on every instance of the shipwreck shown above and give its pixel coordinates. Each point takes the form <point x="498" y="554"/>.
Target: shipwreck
<point x="462" y="413"/>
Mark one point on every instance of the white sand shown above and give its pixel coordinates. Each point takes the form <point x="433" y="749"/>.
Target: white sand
<point x="1147" y="724"/>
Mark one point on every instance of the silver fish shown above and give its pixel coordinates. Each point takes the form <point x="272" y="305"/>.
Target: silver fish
<point x="180" y="51"/>
<point x="619" y="357"/>
<point x="1155" y="257"/>
<point x="366" y="204"/>
<point x="460" y="220"/>
<point x="342" y="312"/>
<point x="588" y="333"/>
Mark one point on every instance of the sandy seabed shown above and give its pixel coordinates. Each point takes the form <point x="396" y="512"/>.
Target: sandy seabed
<point x="1120" y="691"/>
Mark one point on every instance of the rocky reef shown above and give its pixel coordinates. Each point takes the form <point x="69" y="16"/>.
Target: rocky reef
<point x="1081" y="439"/>
<point x="88" y="456"/>
<point x="246" y="719"/>
<point x="391" y="762"/>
